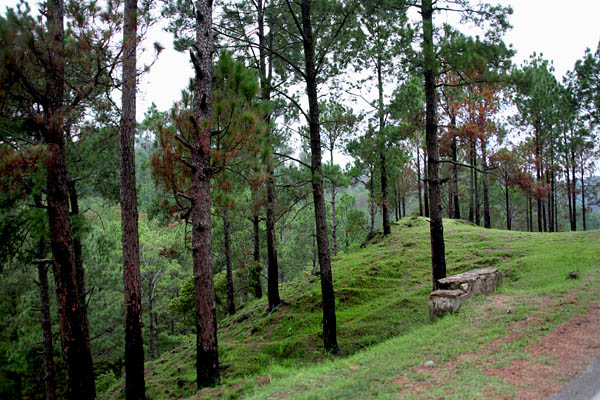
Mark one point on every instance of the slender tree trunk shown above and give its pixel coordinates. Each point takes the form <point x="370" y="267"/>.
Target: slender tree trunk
<point x="455" y="180"/>
<point x="384" y="196"/>
<point x="438" y="258"/>
<point x="256" y="254"/>
<point x="538" y="180"/>
<point x="273" y="267"/>
<point x="78" y="254"/>
<point x="151" y="324"/>
<point x="530" y="214"/>
<point x="333" y="224"/>
<point x="372" y="201"/>
<point x="426" y="184"/>
<point x="328" y="300"/>
<point x="544" y="217"/>
<point x="573" y="192"/>
<point x="471" y="186"/>
<point x="582" y="198"/>
<point x="419" y="180"/>
<point x="396" y="202"/>
<point x="403" y="206"/>
<point x="450" y="200"/>
<point x="568" y="180"/>
<point x="484" y="179"/>
<point x="207" y="357"/>
<point x="507" y="201"/>
<point x="477" y="208"/>
<point x="228" y="262"/>
<point x="384" y="185"/>
<point x="134" y="343"/>
<point x="49" y="369"/>
<point x="76" y="350"/>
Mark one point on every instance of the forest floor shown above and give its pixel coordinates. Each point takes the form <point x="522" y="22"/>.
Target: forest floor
<point x="523" y="342"/>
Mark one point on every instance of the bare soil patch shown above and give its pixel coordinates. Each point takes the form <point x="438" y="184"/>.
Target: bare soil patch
<point x="545" y="366"/>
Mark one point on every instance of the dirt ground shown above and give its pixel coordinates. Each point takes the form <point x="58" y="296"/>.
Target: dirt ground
<point x="547" y="365"/>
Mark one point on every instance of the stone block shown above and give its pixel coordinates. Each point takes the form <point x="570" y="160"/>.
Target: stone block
<point x="458" y="288"/>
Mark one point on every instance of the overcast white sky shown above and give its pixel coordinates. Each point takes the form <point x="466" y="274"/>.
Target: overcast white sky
<point x="559" y="29"/>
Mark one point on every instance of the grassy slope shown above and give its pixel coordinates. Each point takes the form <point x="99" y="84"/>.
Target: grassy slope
<point x="381" y="294"/>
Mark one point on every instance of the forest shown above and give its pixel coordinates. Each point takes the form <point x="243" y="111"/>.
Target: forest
<point x="309" y="129"/>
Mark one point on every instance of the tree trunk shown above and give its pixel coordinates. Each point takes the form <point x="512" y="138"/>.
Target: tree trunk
<point x="471" y="186"/>
<point x="384" y="186"/>
<point x="372" y="201"/>
<point x="573" y="192"/>
<point x="49" y="369"/>
<point x="328" y="300"/>
<point x="438" y="258"/>
<point x="582" y="198"/>
<point x="333" y="223"/>
<point x="507" y="203"/>
<point x="384" y="196"/>
<point x="273" y="267"/>
<point x="76" y="350"/>
<point x="78" y="254"/>
<point x="265" y="42"/>
<point x="450" y="199"/>
<point x="538" y="180"/>
<point x="426" y="184"/>
<point x="568" y="180"/>
<point x="207" y="357"/>
<point x="455" y="180"/>
<point x="134" y="343"/>
<point x="403" y="206"/>
<point x="476" y="188"/>
<point x="419" y="180"/>
<point x="484" y="179"/>
<point x="396" y="202"/>
<point x="151" y="326"/>
<point x="228" y="262"/>
<point x="256" y="254"/>
<point x="530" y="214"/>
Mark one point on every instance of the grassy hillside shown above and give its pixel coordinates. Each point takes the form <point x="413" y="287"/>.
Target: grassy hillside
<point x="381" y="294"/>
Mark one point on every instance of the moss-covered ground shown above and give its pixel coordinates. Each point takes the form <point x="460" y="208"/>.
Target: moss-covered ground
<point x="383" y="326"/>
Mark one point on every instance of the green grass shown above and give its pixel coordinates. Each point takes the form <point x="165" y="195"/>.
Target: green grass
<point x="383" y="326"/>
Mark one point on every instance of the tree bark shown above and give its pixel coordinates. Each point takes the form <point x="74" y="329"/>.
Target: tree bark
<point x="265" y="42"/>
<point x="333" y="224"/>
<point x="273" y="267"/>
<point x="328" y="299"/>
<point x="151" y="327"/>
<point x="573" y="192"/>
<point x="438" y="258"/>
<point x="484" y="179"/>
<point x="256" y="253"/>
<point x="76" y="351"/>
<point x="372" y="201"/>
<point x="49" y="369"/>
<point x="476" y="185"/>
<point x="134" y="343"/>
<point x="207" y="357"/>
<point x="426" y="184"/>
<point x="78" y="254"/>
<point x="384" y="186"/>
<point x="228" y="262"/>
<point x="582" y="198"/>
<point x="419" y="180"/>
<point x="471" y="186"/>
<point x="455" y="180"/>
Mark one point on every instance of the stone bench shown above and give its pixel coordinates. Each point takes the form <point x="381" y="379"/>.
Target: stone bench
<point x="456" y="289"/>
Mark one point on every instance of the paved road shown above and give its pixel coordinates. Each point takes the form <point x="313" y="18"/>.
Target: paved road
<point x="584" y="387"/>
